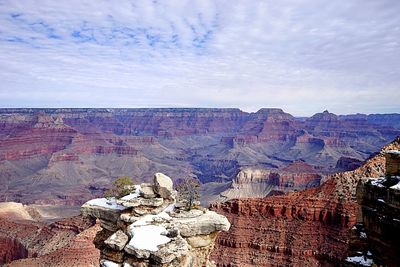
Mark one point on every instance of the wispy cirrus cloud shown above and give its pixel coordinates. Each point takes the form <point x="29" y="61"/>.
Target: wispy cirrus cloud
<point x="303" y="56"/>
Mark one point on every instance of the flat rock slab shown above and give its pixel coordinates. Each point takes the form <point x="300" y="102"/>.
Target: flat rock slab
<point x="204" y="224"/>
<point x="117" y="241"/>
<point x="102" y="208"/>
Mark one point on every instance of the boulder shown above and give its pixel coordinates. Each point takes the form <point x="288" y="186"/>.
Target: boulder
<point x="163" y="185"/>
<point x="147" y="191"/>
<point x="139" y="201"/>
<point x="117" y="241"/>
<point x="102" y="208"/>
<point x="170" y="251"/>
<point x="204" y="224"/>
<point x="109" y="225"/>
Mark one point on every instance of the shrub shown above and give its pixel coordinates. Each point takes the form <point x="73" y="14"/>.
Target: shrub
<point x="122" y="186"/>
<point x="188" y="191"/>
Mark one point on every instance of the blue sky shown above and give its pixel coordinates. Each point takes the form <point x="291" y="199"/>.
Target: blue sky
<point x="304" y="56"/>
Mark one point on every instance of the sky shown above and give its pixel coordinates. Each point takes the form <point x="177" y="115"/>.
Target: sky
<point x="303" y="56"/>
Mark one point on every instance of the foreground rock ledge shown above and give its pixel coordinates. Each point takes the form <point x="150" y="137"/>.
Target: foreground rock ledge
<point x="136" y="232"/>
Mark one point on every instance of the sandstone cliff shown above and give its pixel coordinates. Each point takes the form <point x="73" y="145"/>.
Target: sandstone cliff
<point x="308" y="228"/>
<point x="256" y="183"/>
<point x="378" y="239"/>
<point x="27" y="241"/>
<point x="148" y="228"/>
<point x="75" y="153"/>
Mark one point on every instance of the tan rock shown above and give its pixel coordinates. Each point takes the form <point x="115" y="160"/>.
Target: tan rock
<point x="163" y="185"/>
<point x="204" y="224"/>
<point x="170" y="251"/>
<point x="117" y="241"/>
<point x="147" y="191"/>
<point x="201" y="240"/>
<point x="102" y="208"/>
<point x="113" y="255"/>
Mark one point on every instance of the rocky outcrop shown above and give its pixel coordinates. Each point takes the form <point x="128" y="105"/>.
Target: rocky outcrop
<point x="255" y="183"/>
<point x="146" y="228"/>
<point x="380" y="218"/>
<point x="308" y="228"/>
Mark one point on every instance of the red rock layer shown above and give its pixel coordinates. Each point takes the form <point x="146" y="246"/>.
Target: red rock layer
<point x="79" y="251"/>
<point x="65" y="241"/>
<point x="308" y="228"/>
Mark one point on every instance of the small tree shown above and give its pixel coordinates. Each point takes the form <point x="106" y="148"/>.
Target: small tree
<point x="188" y="191"/>
<point x="122" y="186"/>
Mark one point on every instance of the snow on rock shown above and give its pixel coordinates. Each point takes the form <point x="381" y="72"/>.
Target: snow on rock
<point x="147" y="224"/>
<point x="361" y="260"/>
<point x="102" y="208"/>
<point x="106" y="263"/>
<point x="378" y="182"/>
<point x="396" y="186"/>
<point x="148" y="237"/>
<point x="105" y="203"/>
<point x="132" y="195"/>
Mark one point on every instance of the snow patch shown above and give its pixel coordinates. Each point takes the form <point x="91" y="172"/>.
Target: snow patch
<point x="106" y="263"/>
<point x="363" y="235"/>
<point x="148" y="219"/>
<point x="148" y="237"/>
<point x="132" y="195"/>
<point x="363" y="261"/>
<point x="378" y="182"/>
<point x="396" y="186"/>
<point x="397" y="152"/>
<point x="106" y="203"/>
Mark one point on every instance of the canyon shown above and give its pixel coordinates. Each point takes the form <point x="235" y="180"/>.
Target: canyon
<point x="307" y="228"/>
<point x="74" y="154"/>
<point x="287" y="185"/>
<point x="28" y="239"/>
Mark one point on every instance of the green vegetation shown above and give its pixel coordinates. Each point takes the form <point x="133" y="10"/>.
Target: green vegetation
<point x="122" y="186"/>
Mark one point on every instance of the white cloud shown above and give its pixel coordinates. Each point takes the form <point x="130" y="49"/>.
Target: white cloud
<point x="303" y="56"/>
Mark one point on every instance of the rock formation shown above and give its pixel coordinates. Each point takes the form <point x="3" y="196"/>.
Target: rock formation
<point x="27" y="241"/>
<point x="148" y="228"/>
<point x="378" y="238"/>
<point x="308" y="228"/>
<point x="255" y="183"/>
<point x="75" y="153"/>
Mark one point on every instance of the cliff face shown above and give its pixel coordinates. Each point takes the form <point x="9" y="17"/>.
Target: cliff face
<point x="75" y="153"/>
<point x="379" y="238"/>
<point x="148" y="228"/>
<point x="253" y="183"/>
<point x="308" y="228"/>
<point x="25" y="241"/>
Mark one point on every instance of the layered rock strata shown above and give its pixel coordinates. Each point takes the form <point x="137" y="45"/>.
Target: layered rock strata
<point x="75" y="153"/>
<point x="380" y="217"/>
<point x="147" y="228"/>
<point x="308" y="228"/>
<point x="256" y="183"/>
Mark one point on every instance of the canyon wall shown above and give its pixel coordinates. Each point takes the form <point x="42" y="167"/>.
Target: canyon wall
<point x="308" y="228"/>
<point x="25" y="241"/>
<point x="379" y="239"/>
<point x="75" y="153"/>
